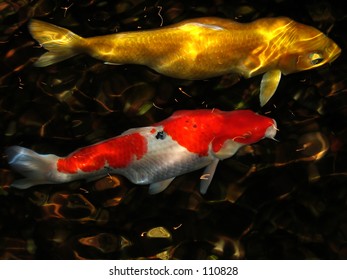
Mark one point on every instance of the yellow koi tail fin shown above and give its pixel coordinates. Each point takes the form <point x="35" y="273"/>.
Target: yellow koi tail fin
<point x="60" y="43"/>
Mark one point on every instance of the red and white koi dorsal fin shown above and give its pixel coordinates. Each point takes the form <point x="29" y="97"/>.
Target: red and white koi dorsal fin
<point x="183" y="113"/>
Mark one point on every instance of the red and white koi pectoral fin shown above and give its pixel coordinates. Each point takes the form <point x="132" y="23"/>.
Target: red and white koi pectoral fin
<point x="207" y="176"/>
<point x="226" y="150"/>
<point x="158" y="187"/>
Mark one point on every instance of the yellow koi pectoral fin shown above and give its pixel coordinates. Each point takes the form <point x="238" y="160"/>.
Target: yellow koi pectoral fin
<point x="207" y="176"/>
<point x="60" y="43"/>
<point x="159" y="186"/>
<point x="269" y="85"/>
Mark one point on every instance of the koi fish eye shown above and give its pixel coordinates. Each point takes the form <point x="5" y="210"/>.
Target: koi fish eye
<point x="316" y="58"/>
<point x="160" y="135"/>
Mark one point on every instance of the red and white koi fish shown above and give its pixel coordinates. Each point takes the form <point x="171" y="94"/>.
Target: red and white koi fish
<point x="201" y="48"/>
<point x="155" y="155"/>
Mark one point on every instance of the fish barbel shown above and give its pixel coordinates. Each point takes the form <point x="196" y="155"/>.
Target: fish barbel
<point x="201" y="48"/>
<point x="155" y="155"/>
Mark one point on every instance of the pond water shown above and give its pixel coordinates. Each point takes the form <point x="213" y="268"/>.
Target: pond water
<point x="272" y="200"/>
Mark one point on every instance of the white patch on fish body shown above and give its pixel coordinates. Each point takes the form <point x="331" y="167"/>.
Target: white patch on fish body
<point x="164" y="159"/>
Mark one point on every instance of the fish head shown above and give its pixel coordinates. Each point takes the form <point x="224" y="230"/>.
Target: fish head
<point x="252" y="127"/>
<point x="242" y="127"/>
<point x="306" y="48"/>
<point x="247" y="127"/>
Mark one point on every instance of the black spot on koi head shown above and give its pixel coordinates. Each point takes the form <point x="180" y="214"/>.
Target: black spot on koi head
<point x="160" y="135"/>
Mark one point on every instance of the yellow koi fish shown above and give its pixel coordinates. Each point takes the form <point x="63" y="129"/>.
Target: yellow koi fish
<point x="201" y="48"/>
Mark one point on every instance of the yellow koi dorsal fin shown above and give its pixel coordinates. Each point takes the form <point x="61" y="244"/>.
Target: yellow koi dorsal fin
<point x="269" y="85"/>
<point x="197" y="26"/>
<point x="213" y="21"/>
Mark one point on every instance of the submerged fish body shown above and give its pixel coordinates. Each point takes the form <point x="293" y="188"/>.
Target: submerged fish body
<point x="155" y="155"/>
<point x="201" y="48"/>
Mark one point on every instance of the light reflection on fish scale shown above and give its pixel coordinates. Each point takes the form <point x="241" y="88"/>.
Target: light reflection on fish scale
<point x="154" y="56"/>
<point x="181" y="48"/>
<point x="278" y="39"/>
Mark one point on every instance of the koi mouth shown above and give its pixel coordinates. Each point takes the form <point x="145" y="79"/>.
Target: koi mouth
<point x="335" y="53"/>
<point x="271" y="131"/>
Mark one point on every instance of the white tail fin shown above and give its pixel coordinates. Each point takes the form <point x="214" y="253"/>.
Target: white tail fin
<point x="38" y="169"/>
<point x="60" y="43"/>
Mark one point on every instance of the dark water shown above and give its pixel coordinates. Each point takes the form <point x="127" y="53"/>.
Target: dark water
<point x="273" y="200"/>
